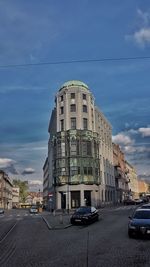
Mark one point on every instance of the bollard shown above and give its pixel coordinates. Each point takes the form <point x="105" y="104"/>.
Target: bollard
<point x="54" y="213"/>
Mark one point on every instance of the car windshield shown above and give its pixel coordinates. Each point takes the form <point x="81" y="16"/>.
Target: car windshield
<point x="146" y="207"/>
<point x="83" y="210"/>
<point x="141" y="214"/>
<point x="33" y="207"/>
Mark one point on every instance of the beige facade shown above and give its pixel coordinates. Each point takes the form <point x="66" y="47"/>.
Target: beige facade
<point x="133" y="180"/>
<point x="34" y="198"/>
<point x="104" y="130"/>
<point x="15" y="197"/>
<point x="5" y="191"/>
<point x="121" y="174"/>
<point x="143" y="187"/>
<point x="80" y="155"/>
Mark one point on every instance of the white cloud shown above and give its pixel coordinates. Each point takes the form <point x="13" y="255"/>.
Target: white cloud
<point x="132" y="131"/>
<point x="35" y="182"/>
<point x="28" y="171"/>
<point x="122" y="139"/>
<point x="129" y="149"/>
<point x="144" y="16"/>
<point x="5" y="162"/>
<point x="138" y="149"/>
<point x="144" y="131"/>
<point x="127" y="125"/>
<point x="141" y="36"/>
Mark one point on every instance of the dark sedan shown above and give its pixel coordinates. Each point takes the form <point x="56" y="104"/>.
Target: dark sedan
<point x="145" y="206"/>
<point x="139" y="223"/>
<point x="129" y="202"/>
<point x="84" y="215"/>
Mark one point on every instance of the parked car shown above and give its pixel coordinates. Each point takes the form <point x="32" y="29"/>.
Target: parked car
<point x="139" y="222"/>
<point x="85" y="215"/>
<point x="34" y="209"/>
<point x="129" y="202"/>
<point x="1" y="211"/>
<point x="145" y="199"/>
<point x="145" y="206"/>
<point x="138" y="201"/>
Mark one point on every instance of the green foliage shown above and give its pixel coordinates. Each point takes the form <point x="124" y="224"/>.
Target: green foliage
<point x="23" y="189"/>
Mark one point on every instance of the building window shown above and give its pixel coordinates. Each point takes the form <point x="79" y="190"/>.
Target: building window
<point x="73" y="108"/>
<point x="73" y="170"/>
<point x="89" y="148"/>
<point x="85" y="170"/>
<point x="84" y="108"/>
<point x="96" y="172"/>
<point x="61" y="98"/>
<point x="85" y="124"/>
<point x="90" y="171"/>
<point x="86" y="148"/>
<point x="73" y="123"/>
<point x="62" y="125"/>
<point x="84" y="96"/>
<point x="61" y="110"/>
<point x="73" y="148"/>
<point x="72" y="95"/>
<point x="63" y="171"/>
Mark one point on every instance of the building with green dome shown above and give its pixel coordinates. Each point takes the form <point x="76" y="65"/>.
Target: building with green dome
<point x="79" y="167"/>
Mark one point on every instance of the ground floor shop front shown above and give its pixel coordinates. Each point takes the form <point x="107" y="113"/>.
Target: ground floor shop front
<point x="74" y="196"/>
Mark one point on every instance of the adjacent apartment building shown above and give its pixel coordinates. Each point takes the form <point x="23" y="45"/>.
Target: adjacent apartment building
<point x="15" y="197"/>
<point x="5" y="191"/>
<point x="121" y="174"/>
<point x="133" y="181"/>
<point x="79" y="167"/>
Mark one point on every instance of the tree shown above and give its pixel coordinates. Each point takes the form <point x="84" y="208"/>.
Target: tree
<point x="23" y="189"/>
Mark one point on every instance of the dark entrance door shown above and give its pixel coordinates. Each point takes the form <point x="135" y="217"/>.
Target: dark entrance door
<point x="75" y="199"/>
<point x="87" y="197"/>
<point x="63" y="201"/>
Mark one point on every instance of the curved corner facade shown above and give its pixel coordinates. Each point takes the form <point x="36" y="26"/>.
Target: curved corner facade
<point x="80" y="155"/>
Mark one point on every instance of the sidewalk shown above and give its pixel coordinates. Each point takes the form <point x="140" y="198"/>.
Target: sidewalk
<point x="57" y="220"/>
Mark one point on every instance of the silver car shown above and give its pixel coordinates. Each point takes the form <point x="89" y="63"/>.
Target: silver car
<point x="34" y="209"/>
<point x="1" y="211"/>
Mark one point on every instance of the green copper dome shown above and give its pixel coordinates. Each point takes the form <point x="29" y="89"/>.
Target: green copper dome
<point x="74" y="83"/>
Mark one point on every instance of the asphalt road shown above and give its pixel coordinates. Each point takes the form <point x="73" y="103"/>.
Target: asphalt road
<point x="104" y="243"/>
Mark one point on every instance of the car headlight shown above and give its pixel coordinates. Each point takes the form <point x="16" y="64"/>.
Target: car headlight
<point x="132" y="226"/>
<point x="85" y="217"/>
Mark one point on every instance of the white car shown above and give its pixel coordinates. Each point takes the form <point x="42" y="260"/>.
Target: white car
<point x="34" y="209"/>
<point x="1" y="211"/>
<point x="138" y="201"/>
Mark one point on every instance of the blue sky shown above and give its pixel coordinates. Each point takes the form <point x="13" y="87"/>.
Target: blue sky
<point x="48" y="31"/>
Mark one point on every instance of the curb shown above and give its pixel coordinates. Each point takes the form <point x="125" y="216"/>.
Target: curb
<point x="48" y="225"/>
<point x="55" y="227"/>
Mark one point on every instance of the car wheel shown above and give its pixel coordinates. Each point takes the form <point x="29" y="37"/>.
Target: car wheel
<point x="130" y="233"/>
<point x="97" y="218"/>
<point x="72" y="221"/>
